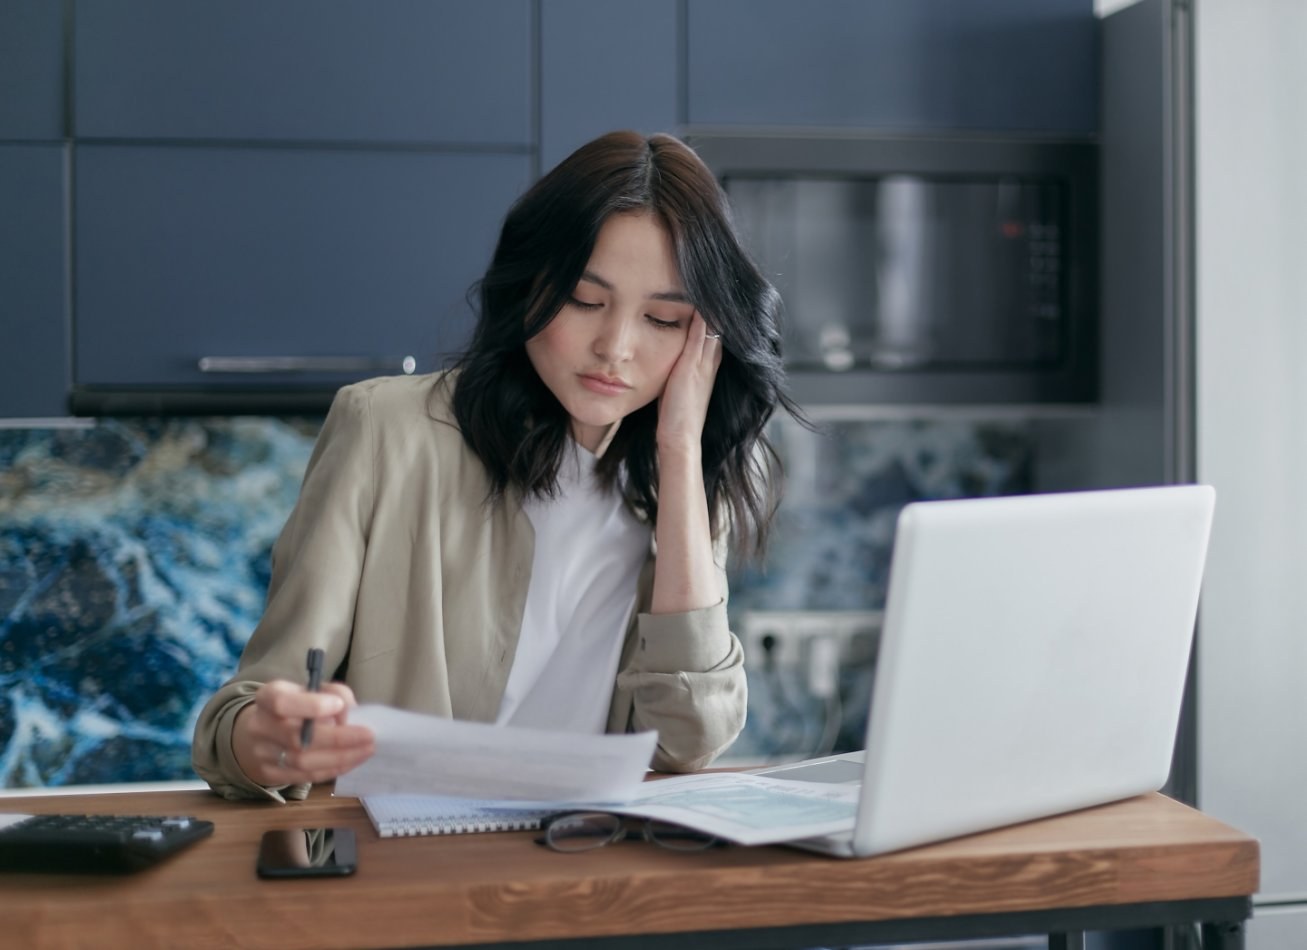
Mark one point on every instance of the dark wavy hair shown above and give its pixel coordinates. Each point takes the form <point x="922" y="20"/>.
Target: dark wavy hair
<point x="511" y="420"/>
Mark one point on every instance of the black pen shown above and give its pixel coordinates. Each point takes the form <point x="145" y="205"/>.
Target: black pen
<point x="314" y="664"/>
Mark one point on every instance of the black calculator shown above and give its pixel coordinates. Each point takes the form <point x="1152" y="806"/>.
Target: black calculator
<point x="94" y="843"/>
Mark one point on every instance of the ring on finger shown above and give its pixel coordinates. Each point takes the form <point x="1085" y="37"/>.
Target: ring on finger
<point x="281" y="760"/>
<point x="712" y="336"/>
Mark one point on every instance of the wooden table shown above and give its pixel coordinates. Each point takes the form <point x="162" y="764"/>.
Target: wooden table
<point x="1147" y="861"/>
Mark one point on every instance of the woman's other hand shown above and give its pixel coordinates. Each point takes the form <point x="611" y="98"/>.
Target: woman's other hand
<point x="266" y="734"/>
<point x="684" y="574"/>
<point x="684" y="403"/>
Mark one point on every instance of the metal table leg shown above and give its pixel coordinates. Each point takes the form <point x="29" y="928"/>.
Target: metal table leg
<point x="1223" y="935"/>
<point x="1074" y="940"/>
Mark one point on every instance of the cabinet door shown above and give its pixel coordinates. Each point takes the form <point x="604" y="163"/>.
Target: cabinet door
<point x="31" y="69"/>
<point x="1020" y="65"/>
<point x="605" y="65"/>
<point x="33" y="313"/>
<point x="185" y="253"/>
<point x="328" y="70"/>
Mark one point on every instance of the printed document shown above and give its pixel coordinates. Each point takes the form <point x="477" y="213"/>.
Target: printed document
<point x="429" y="758"/>
<point x="745" y="808"/>
<point x="430" y="755"/>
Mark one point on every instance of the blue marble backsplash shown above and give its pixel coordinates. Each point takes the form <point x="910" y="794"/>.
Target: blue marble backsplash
<point x="845" y="483"/>
<point x="134" y="562"/>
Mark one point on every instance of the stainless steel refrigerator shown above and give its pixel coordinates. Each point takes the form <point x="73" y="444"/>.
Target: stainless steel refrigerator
<point x="1203" y="141"/>
<point x="1251" y="414"/>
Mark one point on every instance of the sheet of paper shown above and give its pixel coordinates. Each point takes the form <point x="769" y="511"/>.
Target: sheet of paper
<point x="428" y="755"/>
<point x="745" y="808"/>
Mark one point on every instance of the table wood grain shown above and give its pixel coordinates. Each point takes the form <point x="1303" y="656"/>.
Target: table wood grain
<point x="501" y="886"/>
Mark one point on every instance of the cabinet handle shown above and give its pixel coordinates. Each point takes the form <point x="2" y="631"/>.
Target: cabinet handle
<point x="306" y="364"/>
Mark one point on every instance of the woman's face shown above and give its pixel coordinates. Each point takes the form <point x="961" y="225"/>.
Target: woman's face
<point x="610" y="349"/>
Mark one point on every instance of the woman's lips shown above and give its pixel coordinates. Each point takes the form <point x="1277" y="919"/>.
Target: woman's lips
<point x="604" y="385"/>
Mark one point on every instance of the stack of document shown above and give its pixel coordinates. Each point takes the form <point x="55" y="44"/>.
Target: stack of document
<point x="426" y="767"/>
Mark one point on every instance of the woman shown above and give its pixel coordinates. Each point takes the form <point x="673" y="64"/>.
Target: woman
<point x="480" y="543"/>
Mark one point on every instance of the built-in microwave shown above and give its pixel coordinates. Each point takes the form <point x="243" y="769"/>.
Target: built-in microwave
<point x="931" y="270"/>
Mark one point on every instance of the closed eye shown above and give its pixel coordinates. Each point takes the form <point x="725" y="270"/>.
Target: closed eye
<point x="582" y="304"/>
<point x="662" y="324"/>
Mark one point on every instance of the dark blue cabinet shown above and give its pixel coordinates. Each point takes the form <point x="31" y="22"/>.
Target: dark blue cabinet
<point x="33" y="210"/>
<point x="910" y="65"/>
<point x="430" y="71"/>
<point x="31" y="70"/>
<point x="312" y="181"/>
<point x="604" y="65"/>
<point x="191" y="252"/>
<point x="33" y="308"/>
<point x="325" y="178"/>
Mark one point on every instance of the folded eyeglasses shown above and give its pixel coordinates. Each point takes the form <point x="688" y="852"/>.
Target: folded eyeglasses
<point x="574" y="831"/>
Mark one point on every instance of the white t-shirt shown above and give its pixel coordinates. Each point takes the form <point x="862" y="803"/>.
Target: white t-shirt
<point x="589" y="550"/>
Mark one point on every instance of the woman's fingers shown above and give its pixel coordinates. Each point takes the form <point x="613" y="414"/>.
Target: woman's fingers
<point x="335" y="749"/>
<point x="684" y="403"/>
<point x="347" y="696"/>
<point x="276" y="725"/>
<point x="288" y="701"/>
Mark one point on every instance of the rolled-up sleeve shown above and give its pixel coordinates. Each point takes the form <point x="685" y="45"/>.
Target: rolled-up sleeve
<point x="684" y="676"/>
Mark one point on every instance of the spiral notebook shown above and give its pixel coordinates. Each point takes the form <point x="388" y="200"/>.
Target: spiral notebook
<point x="398" y="816"/>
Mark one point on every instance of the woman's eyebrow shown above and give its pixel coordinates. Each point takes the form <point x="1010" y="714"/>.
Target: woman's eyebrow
<point x="673" y="296"/>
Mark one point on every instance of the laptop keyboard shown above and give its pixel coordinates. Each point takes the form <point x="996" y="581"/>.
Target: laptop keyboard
<point x="836" y="772"/>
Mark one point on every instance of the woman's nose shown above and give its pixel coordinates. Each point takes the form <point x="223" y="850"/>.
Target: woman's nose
<point x="615" y="341"/>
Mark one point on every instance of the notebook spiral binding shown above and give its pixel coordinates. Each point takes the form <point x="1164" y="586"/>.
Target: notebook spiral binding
<point x="402" y="816"/>
<point x="406" y="829"/>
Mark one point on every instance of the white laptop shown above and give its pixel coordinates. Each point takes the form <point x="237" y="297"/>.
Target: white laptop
<point x="1032" y="662"/>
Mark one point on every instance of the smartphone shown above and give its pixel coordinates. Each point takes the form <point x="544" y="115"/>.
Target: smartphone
<point x="307" y="852"/>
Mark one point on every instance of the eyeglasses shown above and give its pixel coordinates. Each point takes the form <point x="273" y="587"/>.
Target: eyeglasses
<point x="586" y="830"/>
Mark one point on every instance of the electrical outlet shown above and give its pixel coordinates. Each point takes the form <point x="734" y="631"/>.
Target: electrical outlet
<point x="815" y="641"/>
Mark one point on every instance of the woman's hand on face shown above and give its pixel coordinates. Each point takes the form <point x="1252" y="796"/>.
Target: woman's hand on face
<point x="684" y="403"/>
<point x="266" y="734"/>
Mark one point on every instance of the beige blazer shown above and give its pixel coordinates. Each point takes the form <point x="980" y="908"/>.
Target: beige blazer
<point x="394" y="564"/>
